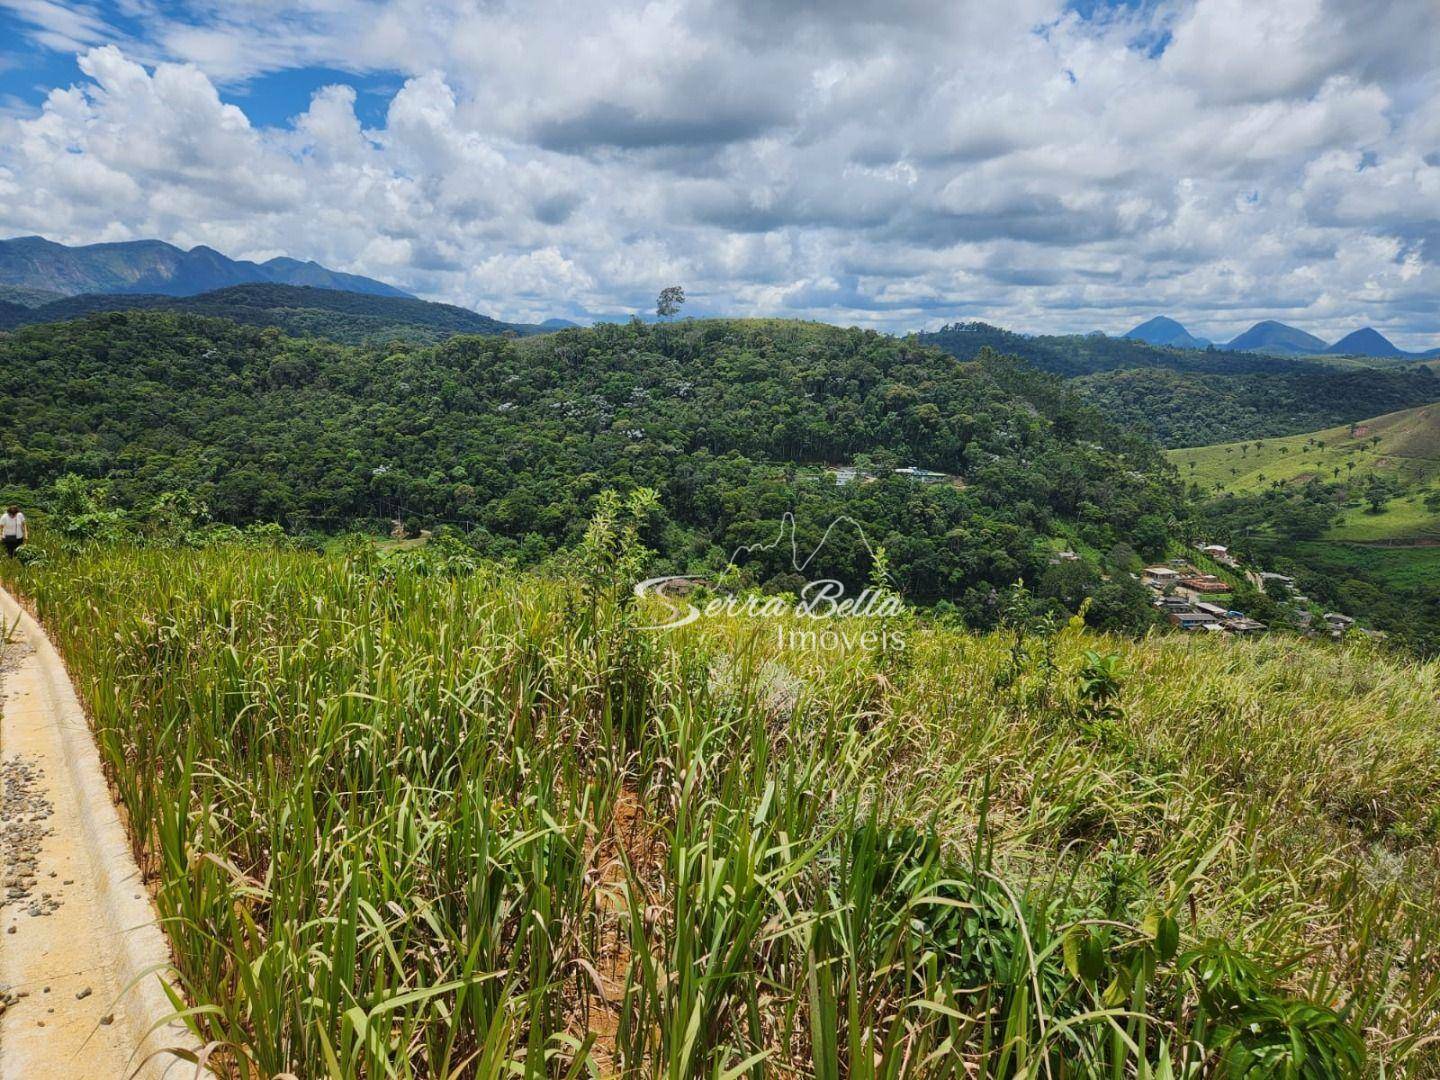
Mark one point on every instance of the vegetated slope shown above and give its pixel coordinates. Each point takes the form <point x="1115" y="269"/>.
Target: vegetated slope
<point x="526" y="825"/>
<point x="1275" y="337"/>
<point x="1366" y="342"/>
<point x="731" y="421"/>
<point x="1190" y="397"/>
<point x="13" y="314"/>
<point x="1405" y="444"/>
<point x="15" y="294"/>
<point x="153" y="266"/>
<point x="1189" y="409"/>
<point x="348" y="317"/>
<point x="1162" y="330"/>
<point x="1353" y="510"/>
<point x="1069" y="355"/>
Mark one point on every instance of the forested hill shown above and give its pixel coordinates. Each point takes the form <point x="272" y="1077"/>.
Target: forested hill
<point x="1197" y="410"/>
<point x="1191" y="397"/>
<point x="1070" y="355"/>
<point x="732" y="421"/>
<point x="348" y="317"/>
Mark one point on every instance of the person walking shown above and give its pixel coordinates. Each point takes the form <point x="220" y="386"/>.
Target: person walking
<point x="13" y="530"/>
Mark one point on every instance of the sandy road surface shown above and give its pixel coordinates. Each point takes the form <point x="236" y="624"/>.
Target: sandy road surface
<point x="76" y="924"/>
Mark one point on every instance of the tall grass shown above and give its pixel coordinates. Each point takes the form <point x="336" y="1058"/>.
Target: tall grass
<point x="440" y="821"/>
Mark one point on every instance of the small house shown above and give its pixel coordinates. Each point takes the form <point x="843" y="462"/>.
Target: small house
<point x="1243" y="625"/>
<point x="1159" y="577"/>
<point x="924" y="476"/>
<point x="1203" y="583"/>
<point x="1211" y="609"/>
<point x="1336" y="621"/>
<point x="1193" y="620"/>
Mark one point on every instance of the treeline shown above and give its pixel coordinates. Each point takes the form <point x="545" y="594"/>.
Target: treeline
<point x="511" y="441"/>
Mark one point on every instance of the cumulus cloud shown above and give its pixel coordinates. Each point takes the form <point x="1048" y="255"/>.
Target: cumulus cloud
<point x="1040" y="164"/>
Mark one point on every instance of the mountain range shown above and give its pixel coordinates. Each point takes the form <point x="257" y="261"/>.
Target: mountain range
<point x="33" y="267"/>
<point x="44" y="281"/>
<point x="1277" y="339"/>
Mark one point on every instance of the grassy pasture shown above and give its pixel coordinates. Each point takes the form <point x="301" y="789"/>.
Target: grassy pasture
<point x="410" y="818"/>
<point x="1405" y="444"/>
<point x="1397" y="567"/>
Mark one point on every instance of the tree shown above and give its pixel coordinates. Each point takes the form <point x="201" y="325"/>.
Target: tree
<point x="667" y="304"/>
<point x="1121" y="605"/>
<point x="1379" y="490"/>
<point x="1276" y="589"/>
<point x="1150" y="537"/>
<point x="1123" y="558"/>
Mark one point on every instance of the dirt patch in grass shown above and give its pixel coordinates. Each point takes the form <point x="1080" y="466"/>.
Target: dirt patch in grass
<point x="633" y="839"/>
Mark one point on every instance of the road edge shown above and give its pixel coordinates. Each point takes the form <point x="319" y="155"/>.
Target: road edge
<point x="142" y="958"/>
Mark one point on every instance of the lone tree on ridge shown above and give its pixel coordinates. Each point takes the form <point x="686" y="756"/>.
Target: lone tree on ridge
<point x="669" y="301"/>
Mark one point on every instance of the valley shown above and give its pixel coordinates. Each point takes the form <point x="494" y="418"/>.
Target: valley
<point x="1354" y="509"/>
<point x="245" y="450"/>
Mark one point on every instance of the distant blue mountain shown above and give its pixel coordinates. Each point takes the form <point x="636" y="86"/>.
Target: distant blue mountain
<point x="157" y="268"/>
<point x="1166" y="331"/>
<point x="1277" y="338"/>
<point x="1366" y="342"/>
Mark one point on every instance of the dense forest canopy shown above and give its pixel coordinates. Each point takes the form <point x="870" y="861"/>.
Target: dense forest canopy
<point x="1193" y="409"/>
<point x="352" y="318"/>
<point x="732" y="422"/>
<point x="1192" y="397"/>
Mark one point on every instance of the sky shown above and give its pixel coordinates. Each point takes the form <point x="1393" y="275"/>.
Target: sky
<point x="1044" y="165"/>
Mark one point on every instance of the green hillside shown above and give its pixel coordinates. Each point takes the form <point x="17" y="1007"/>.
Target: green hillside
<point x="1194" y="397"/>
<point x="1401" y="450"/>
<point x="1405" y="444"/>
<point x="732" y="421"/>
<point x="1353" y="510"/>
<point x="300" y="310"/>
<point x="27" y="297"/>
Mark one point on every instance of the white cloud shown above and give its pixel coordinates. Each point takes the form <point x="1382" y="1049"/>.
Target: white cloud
<point x="895" y="164"/>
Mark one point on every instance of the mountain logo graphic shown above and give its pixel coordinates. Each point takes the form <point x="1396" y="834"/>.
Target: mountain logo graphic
<point x="819" y="598"/>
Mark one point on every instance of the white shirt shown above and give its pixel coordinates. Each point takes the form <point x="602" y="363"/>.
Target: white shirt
<point x="12" y="524"/>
